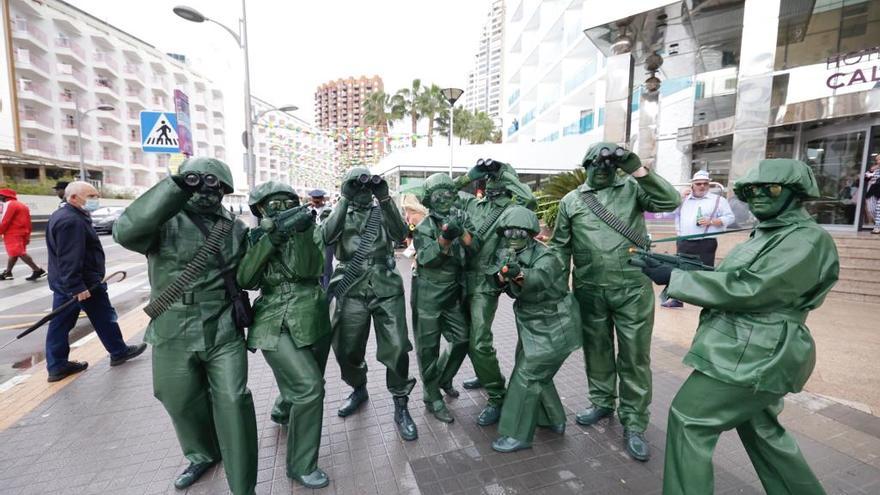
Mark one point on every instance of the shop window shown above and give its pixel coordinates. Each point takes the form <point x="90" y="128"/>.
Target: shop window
<point x="31" y="174"/>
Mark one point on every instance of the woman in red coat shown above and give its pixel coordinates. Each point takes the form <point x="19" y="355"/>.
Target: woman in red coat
<point x="15" y="227"/>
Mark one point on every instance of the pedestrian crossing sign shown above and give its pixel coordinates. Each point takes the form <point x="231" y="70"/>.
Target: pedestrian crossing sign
<point x="159" y="132"/>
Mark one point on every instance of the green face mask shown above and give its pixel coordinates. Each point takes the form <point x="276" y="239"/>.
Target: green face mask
<point x="600" y="177"/>
<point x="767" y="201"/>
<point x="206" y="200"/>
<point x="442" y="201"/>
<point x="276" y="203"/>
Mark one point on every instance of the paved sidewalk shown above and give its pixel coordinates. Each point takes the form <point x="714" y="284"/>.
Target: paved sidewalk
<point x="105" y="433"/>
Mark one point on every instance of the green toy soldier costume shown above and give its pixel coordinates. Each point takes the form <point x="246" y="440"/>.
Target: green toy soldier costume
<point x="441" y="242"/>
<point x="366" y="284"/>
<point x="291" y="326"/>
<point x="503" y="190"/>
<point x="752" y="346"/>
<point x="548" y="325"/>
<point x="199" y="356"/>
<point x="614" y="297"/>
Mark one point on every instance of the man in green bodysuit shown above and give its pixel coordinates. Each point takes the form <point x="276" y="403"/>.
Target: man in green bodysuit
<point x="614" y="297"/>
<point x="548" y="325"/>
<point x="442" y="241"/>
<point x="366" y="284"/>
<point x="752" y="346"/>
<point x="503" y="190"/>
<point x="291" y="326"/>
<point x="199" y="356"/>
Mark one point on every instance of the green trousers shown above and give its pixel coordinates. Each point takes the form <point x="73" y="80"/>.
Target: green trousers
<point x="431" y="320"/>
<point x="351" y="328"/>
<point x="481" y="307"/>
<point x="532" y="398"/>
<point x="211" y="408"/>
<point x="300" y="376"/>
<point x="626" y="313"/>
<point x="704" y="408"/>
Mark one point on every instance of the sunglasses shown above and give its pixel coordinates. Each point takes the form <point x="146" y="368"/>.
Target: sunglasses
<point x="438" y="195"/>
<point x="769" y="190"/>
<point x="281" y="204"/>
<point x="515" y="233"/>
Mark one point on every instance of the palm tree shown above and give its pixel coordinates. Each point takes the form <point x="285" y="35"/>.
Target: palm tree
<point x="430" y="103"/>
<point x="553" y="190"/>
<point x="480" y="128"/>
<point x="406" y="102"/>
<point x="377" y="111"/>
<point x="463" y="118"/>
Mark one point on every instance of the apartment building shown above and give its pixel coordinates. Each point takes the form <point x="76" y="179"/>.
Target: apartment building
<point x="485" y="81"/>
<point x="65" y="59"/>
<point x="290" y="150"/>
<point x="339" y="110"/>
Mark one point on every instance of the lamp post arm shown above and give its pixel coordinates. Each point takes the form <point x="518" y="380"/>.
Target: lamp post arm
<point x="228" y="30"/>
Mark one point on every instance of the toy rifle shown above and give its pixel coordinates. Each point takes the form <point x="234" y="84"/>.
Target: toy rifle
<point x="688" y="262"/>
<point x="286" y="220"/>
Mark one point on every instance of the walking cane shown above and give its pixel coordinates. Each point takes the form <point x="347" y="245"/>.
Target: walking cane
<point x="112" y="278"/>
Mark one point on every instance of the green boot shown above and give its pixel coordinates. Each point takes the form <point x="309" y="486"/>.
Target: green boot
<point x="450" y="390"/>
<point x="405" y="424"/>
<point x="636" y="445"/>
<point x="489" y="415"/>
<point x="357" y="397"/>
<point x="440" y="411"/>
<point x="592" y="415"/>
<point x="472" y="384"/>
<point x="192" y="474"/>
<point x="509" y="444"/>
<point x="315" y="479"/>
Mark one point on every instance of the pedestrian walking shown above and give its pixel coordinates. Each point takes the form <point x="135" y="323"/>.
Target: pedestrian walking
<point x="872" y="194"/>
<point x="15" y="227"/>
<point x="193" y="246"/>
<point x="752" y="346"/>
<point x="701" y="212"/>
<point x="59" y="188"/>
<point x="76" y="262"/>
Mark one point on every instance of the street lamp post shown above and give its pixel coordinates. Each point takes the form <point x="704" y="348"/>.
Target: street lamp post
<point x="193" y="15"/>
<point x="79" y="138"/>
<point x="452" y="95"/>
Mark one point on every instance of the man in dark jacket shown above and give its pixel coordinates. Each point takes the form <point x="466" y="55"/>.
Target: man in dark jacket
<point x="76" y="263"/>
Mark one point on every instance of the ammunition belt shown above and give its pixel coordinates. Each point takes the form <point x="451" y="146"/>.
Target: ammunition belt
<point x="490" y="220"/>
<point x="612" y="220"/>
<point x="355" y="266"/>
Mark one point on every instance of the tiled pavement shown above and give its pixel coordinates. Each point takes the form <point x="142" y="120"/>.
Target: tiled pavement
<point x="105" y="433"/>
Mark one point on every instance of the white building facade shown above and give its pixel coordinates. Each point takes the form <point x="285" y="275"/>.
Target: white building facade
<point x="484" y="89"/>
<point x="64" y="57"/>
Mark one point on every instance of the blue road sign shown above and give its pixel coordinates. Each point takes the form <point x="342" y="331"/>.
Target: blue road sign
<point x="159" y="132"/>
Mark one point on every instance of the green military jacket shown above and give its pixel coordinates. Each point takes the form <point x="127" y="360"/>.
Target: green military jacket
<point x="478" y="276"/>
<point x="155" y="225"/>
<point x="290" y="293"/>
<point x="547" y="316"/>
<point x="439" y="271"/>
<point x="752" y="330"/>
<point x="344" y="227"/>
<point x="600" y="253"/>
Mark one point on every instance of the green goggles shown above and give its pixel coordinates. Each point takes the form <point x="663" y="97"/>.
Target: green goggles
<point x="516" y="234"/>
<point x="282" y="204"/>
<point x="445" y="194"/>
<point x="769" y="190"/>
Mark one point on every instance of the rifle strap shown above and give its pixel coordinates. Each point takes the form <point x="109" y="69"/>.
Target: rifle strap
<point x="210" y="249"/>
<point x="354" y="268"/>
<point x="490" y="220"/>
<point x="228" y="276"/>
<point x="613" y="221"/>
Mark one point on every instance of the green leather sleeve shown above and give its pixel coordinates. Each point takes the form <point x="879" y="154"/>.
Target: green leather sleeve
<point x="309" y="255"/>
<point x="139" y="227"/>
<point x="251" y="266"/>
<point x="656" y="194"/>
<point x="393" y="221"/>
<point x="428" y="250"/>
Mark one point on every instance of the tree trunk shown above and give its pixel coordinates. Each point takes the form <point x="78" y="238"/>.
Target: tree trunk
<point x="430" y="131"/>
<point x="415" y="127"/>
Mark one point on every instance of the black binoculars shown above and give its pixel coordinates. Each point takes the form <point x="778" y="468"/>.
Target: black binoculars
<point x="366" y="179"/>
<point x="489" y="165"/>
<point x="194" y="180"/>
<point x="607" y="156"/>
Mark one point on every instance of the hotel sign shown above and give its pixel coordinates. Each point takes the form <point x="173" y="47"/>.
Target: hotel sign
<point x="853" y="68"/>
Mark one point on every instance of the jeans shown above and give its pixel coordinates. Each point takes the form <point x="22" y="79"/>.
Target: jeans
<point x="103" y="318"/>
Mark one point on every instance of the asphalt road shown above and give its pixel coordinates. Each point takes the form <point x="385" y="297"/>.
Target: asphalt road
<point x="23" y="302"/>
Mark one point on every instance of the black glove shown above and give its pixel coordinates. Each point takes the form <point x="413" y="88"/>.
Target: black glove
<point x="303" y="221"/>
<point x="478" y="171"/>
<point x="380" y="189"/>
<point x="658" y="272"/>
<point x="511" y="270"/>
<point x="349" y="189"/>
<point x="451" y="229"/>
<point x="189" y="181"/>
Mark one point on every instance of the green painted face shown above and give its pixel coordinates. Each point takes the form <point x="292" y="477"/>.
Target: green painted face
<point x="206" y="200"/>
<point x="767" y="201"/>
<point x="276" y="203"/>
<point x="600" y="177"/>
<point x="442" y="200"/>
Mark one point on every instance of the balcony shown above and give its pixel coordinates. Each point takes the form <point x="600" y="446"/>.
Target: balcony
<point x="105" y="86"/>
<point x="38" y="146"/>
<point x="110" y="157"/>
<point x="31" y="62"/>
<point x="35" y="120"/>
<point x="30" y="90"/>
<point x="134" y="116"/>
<point x="70" y="75"/>
<point x="159" y="83"/>
<point x="133" y="72"/>
<point x="104" y="60"/>
<point x="66" y="46"/>
<point x="24" y="30"/>
<point x="72" y="154"/>
<point x="158" y="101"/>
<point x="136" y="95"/>
<point x="109" y="134"/>
<point x="68" y="126"/>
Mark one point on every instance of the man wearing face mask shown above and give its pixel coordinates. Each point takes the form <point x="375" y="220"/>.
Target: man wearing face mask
<point x="199" y="353"/>
<point x="292" y="320"/>
<point x="503" y="190"/>
<point x="548" y="325"/>
<point x="752" y="346"/>
<point x="442" y="241"/>
<point x="615" y="299"/>
<point x="76" y="262"/>
<point x="367" y="285"/>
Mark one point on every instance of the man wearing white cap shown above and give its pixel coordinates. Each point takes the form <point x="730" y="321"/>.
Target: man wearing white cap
<point x="701" y="212"/>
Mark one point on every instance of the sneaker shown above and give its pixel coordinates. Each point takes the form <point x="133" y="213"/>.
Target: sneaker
<point x="132" y="352"/>
<point x="70" y="368"/>
<point x="6" y="276"/>
<point x="876" y="230"/>
<point x="36" y="275"/>
<point x="672" y="303"/>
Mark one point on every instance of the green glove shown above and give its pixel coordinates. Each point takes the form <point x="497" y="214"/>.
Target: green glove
<point x="451" y="228"/>
<point x="349" y="189"/>
<point x="303" y="221"/>
<point x="380" y="190"/>
<point x="477" y="172"/>
<point x="511" y="270"/>
<point x="630" y="162"/>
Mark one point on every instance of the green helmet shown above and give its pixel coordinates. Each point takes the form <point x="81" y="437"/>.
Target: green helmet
<point x="355" y="172"/>
<point x="794" y="174"/>
<point x="211" y="166"/>
<point x="435" y="182"/>
<point x="267" y="189"/>
<point x="519" y="217"/>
